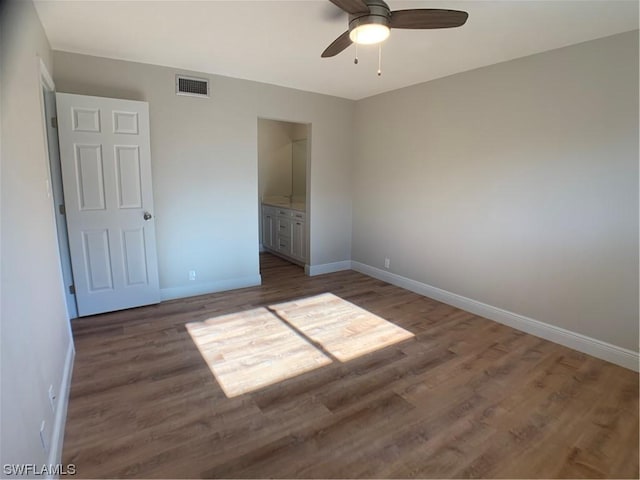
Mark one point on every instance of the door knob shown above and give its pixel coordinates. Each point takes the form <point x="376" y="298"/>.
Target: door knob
<point x="147" y="216"/>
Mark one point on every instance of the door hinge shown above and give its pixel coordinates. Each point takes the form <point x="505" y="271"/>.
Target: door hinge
<point x="54" y="122"/>
<point x="72" y="289"/>
<point x="61" y="209"/>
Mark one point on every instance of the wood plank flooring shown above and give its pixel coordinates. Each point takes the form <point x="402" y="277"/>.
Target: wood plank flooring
<point x="463" y="397"/>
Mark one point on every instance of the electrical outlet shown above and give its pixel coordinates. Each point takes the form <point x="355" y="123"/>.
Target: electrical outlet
<point x="44" y="437"/>
<point x="52" y="398"/>
<point x="387" y="263"/>
<point x="192" y="275"/>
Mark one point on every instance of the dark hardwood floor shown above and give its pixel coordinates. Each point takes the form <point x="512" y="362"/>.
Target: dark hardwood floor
<point x="463" y="397"/>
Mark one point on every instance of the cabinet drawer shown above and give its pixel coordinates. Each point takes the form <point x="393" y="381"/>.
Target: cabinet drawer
<point x="298" y="216"/>
<point x="284" y="245"/>
<point x="283" y="227"/>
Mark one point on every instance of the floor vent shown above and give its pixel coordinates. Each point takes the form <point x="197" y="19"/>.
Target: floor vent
<point x="194" y="87"/>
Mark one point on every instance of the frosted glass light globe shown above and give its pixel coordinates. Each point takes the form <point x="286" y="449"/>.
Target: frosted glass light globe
<point x="369" y="34"/>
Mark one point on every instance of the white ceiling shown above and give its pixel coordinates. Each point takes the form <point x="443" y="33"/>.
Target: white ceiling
<point x="280" y="42"/>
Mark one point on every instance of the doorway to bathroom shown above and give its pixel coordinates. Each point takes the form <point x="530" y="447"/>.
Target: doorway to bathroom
<point x="283" y="187"/>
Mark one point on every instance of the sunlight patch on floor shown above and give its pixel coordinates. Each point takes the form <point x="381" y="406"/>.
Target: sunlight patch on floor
<point x="256" y="348"/>
<point x="253" y="349"/>
<point x="343" y="329"/>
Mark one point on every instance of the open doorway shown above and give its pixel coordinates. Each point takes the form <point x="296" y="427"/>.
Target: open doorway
<point x="283" y="189"/>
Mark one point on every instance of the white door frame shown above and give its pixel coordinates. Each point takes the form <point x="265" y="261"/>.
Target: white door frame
<point x="54" y="191"/>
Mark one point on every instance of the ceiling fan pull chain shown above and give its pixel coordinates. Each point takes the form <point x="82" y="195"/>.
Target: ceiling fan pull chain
<point x="355" y="60"/>
<point x="379" y="59"/>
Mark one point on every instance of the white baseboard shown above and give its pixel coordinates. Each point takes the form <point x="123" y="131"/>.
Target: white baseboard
<point x="211" y="287"/>
<point x="591" y="346"/>
<point x="313" y="270"/>
<point x="57" y="436"/>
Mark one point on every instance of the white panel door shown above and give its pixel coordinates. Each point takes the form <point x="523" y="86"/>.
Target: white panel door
<point x="106" y="175"/>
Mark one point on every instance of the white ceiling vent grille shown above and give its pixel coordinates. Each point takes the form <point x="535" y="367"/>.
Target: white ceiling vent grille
<point x="194" y="87"/>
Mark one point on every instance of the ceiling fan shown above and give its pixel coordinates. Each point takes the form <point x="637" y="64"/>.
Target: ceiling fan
<point x="371" y="20"/>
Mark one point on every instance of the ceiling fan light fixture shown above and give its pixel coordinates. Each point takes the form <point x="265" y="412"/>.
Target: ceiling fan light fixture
<point x="371" y="20"/>
<point x="369" y="33"/>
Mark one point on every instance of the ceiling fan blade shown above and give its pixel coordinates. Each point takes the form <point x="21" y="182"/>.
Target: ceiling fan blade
<point x="351" y="6"/>
<point x="423" y="18"/>
<point x="338" y="45"/>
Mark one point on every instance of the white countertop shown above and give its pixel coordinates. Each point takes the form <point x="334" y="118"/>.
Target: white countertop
<point x="298" y="206"/>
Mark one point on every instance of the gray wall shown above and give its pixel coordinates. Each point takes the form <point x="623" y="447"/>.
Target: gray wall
<point x="515" y="185"/>
<point x="299" y="158"/>
<point x="274" y="158"/>
<point x="34" y="331"/>
<point x="204" y="164"/>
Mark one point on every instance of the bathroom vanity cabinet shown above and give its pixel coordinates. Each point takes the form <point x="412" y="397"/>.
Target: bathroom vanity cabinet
<point x="284" y="232"/>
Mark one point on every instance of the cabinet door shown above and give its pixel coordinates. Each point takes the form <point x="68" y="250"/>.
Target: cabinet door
<point x="283" y="234"/>
<point x="283" y="226"/>
<point x="298" y="240"/>
<point x="284" y="245"/>
<point x="268" y="232"/>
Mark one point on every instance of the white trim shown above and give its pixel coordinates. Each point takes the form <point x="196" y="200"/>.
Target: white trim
<point x="60" y="414"/>
<point x="46" y="76"/>
<point x="211" y="287"/>
<point x="47" y="82"/>
<point x="313" y="270"/>
<point x="57" y="438"/>
<point x="591" y="346"/>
